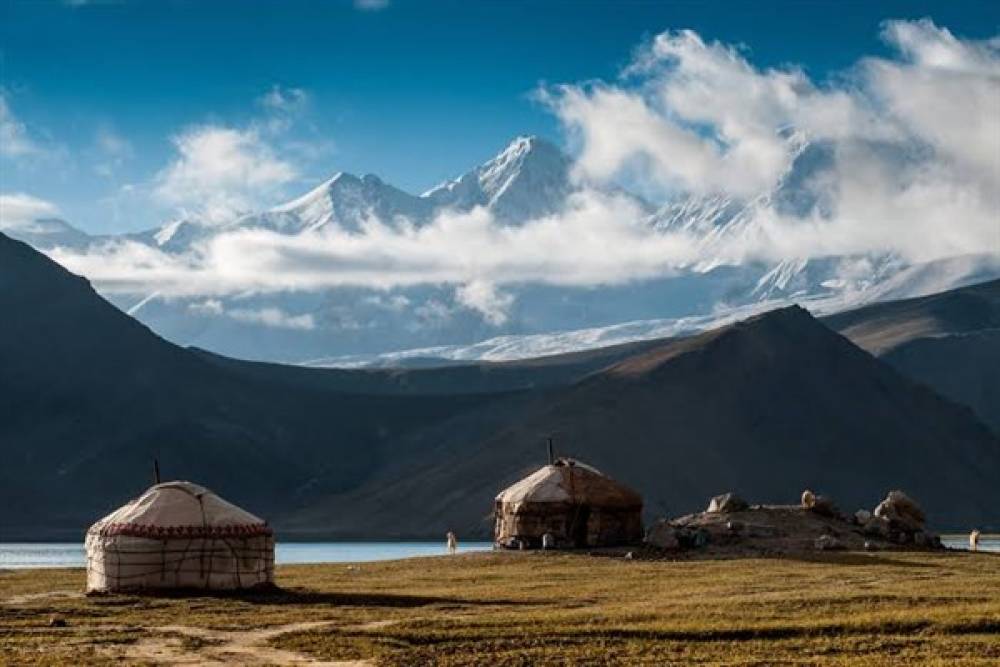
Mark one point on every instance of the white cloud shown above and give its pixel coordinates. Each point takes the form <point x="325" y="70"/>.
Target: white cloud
<point x="912" y="169"/>
<point x="698" y="117"/>
<point x="15" y="140"/>
<point x="273" y="317"/>
<point x="221" y="171"/>
<point x="207" y="307"/>
<point x="914" y="141"/>
<point x="20" y="210"/>
<point x="610" y="244"/>
<point x="486" y="299"/>
<point x="268" y="316"/>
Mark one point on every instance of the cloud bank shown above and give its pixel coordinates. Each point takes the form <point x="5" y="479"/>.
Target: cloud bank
<point x="898" y="155"/>
<point x="222" y="171"/>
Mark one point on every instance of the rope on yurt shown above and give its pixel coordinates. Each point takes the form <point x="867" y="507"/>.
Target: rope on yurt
<point x="180" y="561"/>
<point x="204" y="524"/>
<point x="236" y="558"/>
<point x="118" y="563"/>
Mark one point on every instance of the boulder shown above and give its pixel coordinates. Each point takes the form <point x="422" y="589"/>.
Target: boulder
<point x="727" y="502"/>
<point x="663" y="536"/>
<point x="877" y="526"/>
<point x="700" y="538"/>
<point x="827" y="543"/>
<point x="821" y="505"/>
<point x="901" y="511"/>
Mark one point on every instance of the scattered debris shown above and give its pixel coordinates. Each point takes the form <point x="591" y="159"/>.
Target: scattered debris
<point x="828" y="543"/>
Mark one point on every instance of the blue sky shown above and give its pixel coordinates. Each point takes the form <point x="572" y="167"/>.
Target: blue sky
<point x="413" y="91"/>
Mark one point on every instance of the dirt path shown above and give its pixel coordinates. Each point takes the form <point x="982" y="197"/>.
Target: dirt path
<point x="224" y="647"/>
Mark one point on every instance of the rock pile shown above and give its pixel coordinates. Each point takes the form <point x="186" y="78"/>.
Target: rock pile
<point x="898" y="519"/>
<point x="732" y="526"/>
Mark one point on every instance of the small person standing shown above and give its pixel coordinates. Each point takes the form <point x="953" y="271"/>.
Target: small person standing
<point x="452" y="542"/>
<point x="974" y="540"/>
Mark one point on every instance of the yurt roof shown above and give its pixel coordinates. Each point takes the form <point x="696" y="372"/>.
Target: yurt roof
<point x="570" y="481"/>
<point x="180" y="509"/>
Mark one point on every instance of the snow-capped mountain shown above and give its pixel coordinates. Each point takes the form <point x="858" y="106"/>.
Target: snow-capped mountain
<point x="343" y="201"/>
<point x="528" y="179"/>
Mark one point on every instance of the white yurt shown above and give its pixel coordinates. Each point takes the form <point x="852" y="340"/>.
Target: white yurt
<point x="179" y="535"/>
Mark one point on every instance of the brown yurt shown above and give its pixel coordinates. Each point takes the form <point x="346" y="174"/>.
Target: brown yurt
<point x="576" y="504"/>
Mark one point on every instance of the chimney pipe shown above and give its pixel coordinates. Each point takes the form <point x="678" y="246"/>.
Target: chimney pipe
<point x="552" y="456"/>
<point x="156" y="471"/>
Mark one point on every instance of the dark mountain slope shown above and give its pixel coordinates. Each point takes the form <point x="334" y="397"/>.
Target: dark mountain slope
<point x="949" y="342"/>
<point x="88" y="397"/>
<point x="964" y="367"/>
<point x="766" y="407"/>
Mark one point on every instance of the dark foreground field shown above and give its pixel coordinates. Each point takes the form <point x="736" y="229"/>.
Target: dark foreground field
<point x="530" y="609"/>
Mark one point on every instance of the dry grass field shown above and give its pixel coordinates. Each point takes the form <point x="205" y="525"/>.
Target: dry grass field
<point x="534" y="609"/>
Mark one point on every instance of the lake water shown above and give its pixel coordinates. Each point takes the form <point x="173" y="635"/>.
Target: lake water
<point x="25" y="555"/>
<point x="53" y="554"/>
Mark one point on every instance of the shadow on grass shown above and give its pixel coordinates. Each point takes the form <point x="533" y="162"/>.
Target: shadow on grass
<point x="404" y="637"/>
<point x="854" y="559"/>
<point x="275" y="595"/>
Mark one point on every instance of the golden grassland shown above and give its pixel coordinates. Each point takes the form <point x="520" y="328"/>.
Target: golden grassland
<point x="537" y="609"/>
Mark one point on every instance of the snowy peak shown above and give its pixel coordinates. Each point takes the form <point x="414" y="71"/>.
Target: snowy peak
<point x="344" y="201"/>
<point x="527" y="179"/>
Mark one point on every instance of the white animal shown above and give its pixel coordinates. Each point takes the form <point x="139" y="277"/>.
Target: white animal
<point x="974" y="540"/>
<point x="452" y="542"/>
